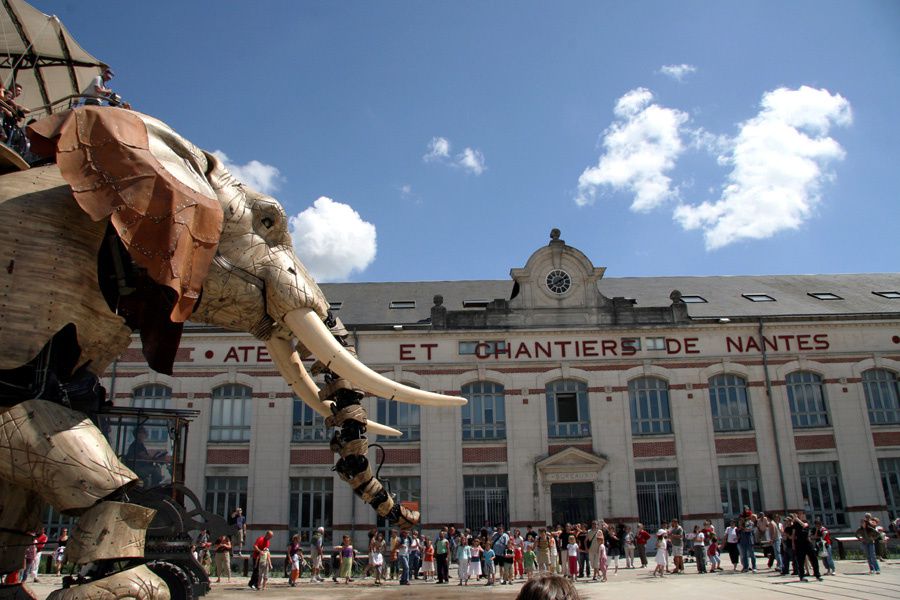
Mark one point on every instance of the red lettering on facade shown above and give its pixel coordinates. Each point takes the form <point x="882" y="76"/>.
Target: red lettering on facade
<point x="787" y="341"/>
<point x="733" y="345"/>
<point x="562" y="347"/>
<point x="752" y="344"/>
<point x="803" y="342"/>
<point x="406" y="352"/>
<point x="673" y="346"/>
<point x="821" y="340"/>
<point x="232" y="355"/>
<point x="690" y="346"/>
<point x="609" y="346"/>
<point x="262" y="355"/>
<point x="538" y="349"/>
<point x="428" y="348"/>
<point x="589" y="348"/>
<point x="523" y="350"/>
<point x="482" y="350"/>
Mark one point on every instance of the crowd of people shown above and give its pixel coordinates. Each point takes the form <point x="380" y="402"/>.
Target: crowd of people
<point x="791" y="545"/>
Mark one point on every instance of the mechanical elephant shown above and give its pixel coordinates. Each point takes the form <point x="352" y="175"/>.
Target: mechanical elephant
<point x="130" y="227"/>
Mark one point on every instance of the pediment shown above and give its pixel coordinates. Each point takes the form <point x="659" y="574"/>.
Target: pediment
<point x="572" y="458"/>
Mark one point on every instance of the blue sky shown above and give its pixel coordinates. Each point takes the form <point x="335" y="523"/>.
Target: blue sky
<point x="450" y="137"/>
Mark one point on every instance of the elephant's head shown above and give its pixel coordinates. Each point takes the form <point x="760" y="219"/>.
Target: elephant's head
<point x="221" y="249"/>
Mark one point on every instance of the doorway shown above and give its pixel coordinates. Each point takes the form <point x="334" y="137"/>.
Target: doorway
<point x="572" y="502"/>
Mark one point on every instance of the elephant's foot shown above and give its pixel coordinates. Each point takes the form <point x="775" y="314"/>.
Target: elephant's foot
<point x="16" y="592"/>
<point x="138" y="583"/>
<point x="353" y="446"/>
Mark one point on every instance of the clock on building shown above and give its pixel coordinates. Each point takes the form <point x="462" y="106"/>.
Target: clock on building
<point x="558" y="281"/>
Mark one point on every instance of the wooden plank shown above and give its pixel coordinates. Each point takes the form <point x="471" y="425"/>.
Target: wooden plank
<point x="11" y="161"/>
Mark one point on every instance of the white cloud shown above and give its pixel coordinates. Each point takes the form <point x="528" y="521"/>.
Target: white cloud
<point x="260" y="176"/>
<point x="332" y="240"/>
<point x="438" y="149"/>
<point x="405" y="190"/>
<point x="779" y="161"/>
<point x="677" y="72"/>
<point x="471" y="161"/>
<point x="640" y="147"/>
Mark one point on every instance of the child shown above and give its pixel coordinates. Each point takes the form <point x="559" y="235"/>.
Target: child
<point x="554" y="554"/>
<point x="428" y="560"/>
<point x="662" y="556"/>
<point x="347" y="554"/>
<point x="475" y="561"/>
<point x="489" y="565"/>
<point x="463" y="555"/>
<point x="376" y="557"/>
<point x="265" y="565"/>
<point x="713" y="553"/>
<point x="572" y="550"/>
<point x="530" y="559"/>
<point x="603" y="559"/>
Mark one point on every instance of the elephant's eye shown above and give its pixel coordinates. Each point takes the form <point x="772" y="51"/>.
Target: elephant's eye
<point x="268" y="222"/>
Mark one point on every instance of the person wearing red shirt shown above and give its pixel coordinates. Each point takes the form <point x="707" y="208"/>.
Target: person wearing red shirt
<point x="261" y="543"/>
<point x="640" y="541"/>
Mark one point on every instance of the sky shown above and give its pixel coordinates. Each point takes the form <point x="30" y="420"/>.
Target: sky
<point x="415" y="140"/>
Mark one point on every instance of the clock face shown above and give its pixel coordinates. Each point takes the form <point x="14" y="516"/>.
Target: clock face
<point x="558" y="281"/>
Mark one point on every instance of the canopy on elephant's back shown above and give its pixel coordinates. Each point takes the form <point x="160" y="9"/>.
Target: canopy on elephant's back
<point x="37" y="51"/>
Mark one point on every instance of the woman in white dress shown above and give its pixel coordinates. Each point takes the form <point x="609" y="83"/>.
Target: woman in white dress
<point x="662" y="557"/>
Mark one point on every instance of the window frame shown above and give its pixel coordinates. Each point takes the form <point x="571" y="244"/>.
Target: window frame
<point x="318" y="492"/>
<point x="799" y="391"/>
<point x="640" y="408"/>
<point x="737" y="398"/>
<point x="237" y="426"/>
<point x="882" y="396"/>
<point x="490" y="491"/>
<point x="739" y="487"/>
<point x="309" y="426"/>
<point x="567" y="429"/>
<point x="230" y="492"/>
<point x="479" y="394"/>
<point x="389" y="412"/>
<point x="824" y="476"/>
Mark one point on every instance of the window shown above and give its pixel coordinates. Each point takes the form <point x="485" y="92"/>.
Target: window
<point x="402" y="304"/>
<point x="405" y="489"/>
<point x="309" y="426"/>
<point x="224" y="494"/>
<point x="232" y="407"/>
<point x="893" y="295"/>
<point x="890" y="481"/>
<point x="486" y="500"/>
<point x="484" y="417"/>
<point x="55" y="522"/>
<point x="153" y="396"/>
<point x="740" y="487"/>
<point x="758" y="297"/>
<point x="649" y="399"/>
<point x="402" y="417"/>
<point x="567" y="409"/>
<point x="475" y="303"/>
<point x="728" y="400"/>
<point x="657" y="496"/>
<point x="882" y="396"/>
<point x="482" y="348"/>
<point x="690" y="299"/>
<point x="311" y="499"/>
<point x="655" y="343"/>
<point x="806" y="396"/>
<point x="824" y="296"/>
<point x="822" y="498"/>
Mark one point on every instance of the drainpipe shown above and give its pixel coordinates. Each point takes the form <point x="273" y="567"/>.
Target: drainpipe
<point x="112" y="381"/>
<point x="765" y="362"/>
<point x="353" y="496"/>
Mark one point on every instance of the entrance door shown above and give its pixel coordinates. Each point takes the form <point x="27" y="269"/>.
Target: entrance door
<point x="572" y="502"/>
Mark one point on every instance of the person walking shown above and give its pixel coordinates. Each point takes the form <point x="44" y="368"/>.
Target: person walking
<point x="699" y="548"/>
<point x="403" y="542"/>
<point x="803" y="549"/>
<point x="317" y="550"/>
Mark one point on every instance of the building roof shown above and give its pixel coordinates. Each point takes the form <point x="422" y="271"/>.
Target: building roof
<point x="370" y="303"/>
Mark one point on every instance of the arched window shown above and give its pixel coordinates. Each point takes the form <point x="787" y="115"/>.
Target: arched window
<point x="649" y="400"/>
<point x="232" y="409"/>
<point x="567" y="409"/>
<point x="154" y="396"/>
<point x="806" y="396"/>
<point x="882" y="396"/>
<point x="484" y="417"/>
<point x="309" y="426"/>
<point x="728" y="400"/>
<point x="402" y="417"/>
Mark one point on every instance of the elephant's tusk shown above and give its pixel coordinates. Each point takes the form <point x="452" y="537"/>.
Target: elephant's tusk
<point x="316" y="337"/>
<point x="291" y="368"/>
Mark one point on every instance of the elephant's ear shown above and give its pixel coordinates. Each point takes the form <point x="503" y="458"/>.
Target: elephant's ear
<point x="150" y="182"/>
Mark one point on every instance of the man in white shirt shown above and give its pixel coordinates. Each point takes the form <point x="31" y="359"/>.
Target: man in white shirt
<point x="96" y="90"/>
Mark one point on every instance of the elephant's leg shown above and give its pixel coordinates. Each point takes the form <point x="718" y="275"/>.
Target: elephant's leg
<point x="353" y="446"/>
<point x="59" y="455"/>
<point x="20" y="518"/>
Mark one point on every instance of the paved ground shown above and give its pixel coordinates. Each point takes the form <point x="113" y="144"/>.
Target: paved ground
<point x="852" y="581"/>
